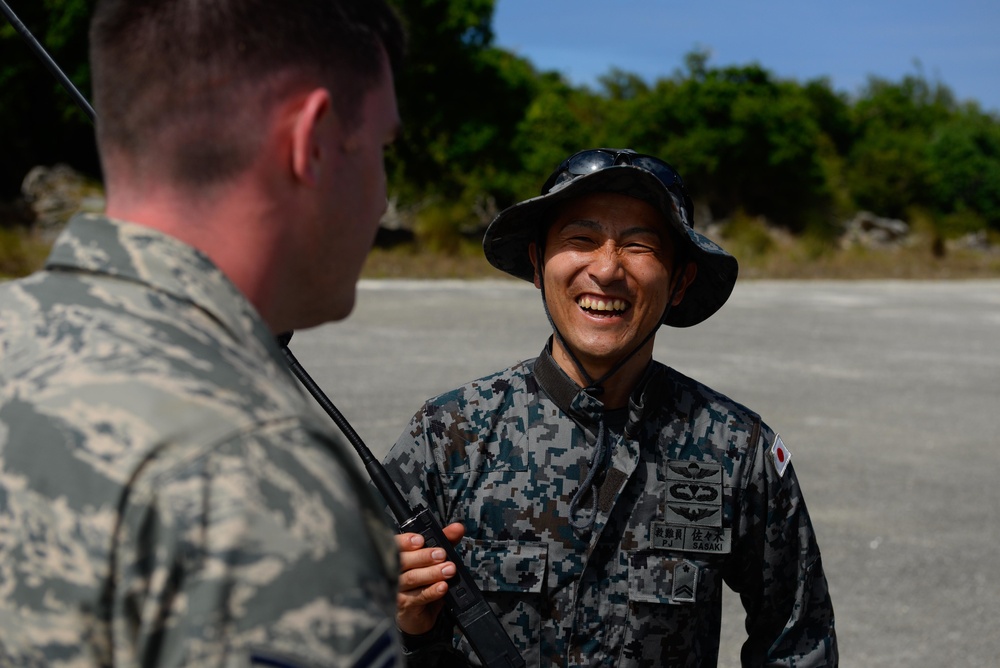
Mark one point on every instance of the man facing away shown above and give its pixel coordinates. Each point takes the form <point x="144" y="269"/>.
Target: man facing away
<point x="604" y="497"/>
<point x="168" y="494"/>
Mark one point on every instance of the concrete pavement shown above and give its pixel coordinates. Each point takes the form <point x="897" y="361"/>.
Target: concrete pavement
<point x="886" y="393"/>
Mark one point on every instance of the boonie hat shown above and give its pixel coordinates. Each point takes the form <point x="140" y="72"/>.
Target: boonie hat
<point x="629" y="173"/>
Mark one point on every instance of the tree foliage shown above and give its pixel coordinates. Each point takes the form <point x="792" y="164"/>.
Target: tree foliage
<point x="482" y="124"/>
<point x="460" y="97"/>
<point x="742" y="139"/>
<point x="963" y="158"/>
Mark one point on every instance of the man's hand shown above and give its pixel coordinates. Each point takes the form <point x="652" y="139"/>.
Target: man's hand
<point x="422" y="575"/>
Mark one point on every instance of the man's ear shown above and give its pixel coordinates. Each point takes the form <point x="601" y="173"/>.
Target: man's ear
<point x="533" y="256"/>
<point x="314" y="120"/>
<point x="685" y="279"/>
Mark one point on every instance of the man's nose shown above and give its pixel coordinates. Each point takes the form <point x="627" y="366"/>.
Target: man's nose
<point x="607" y="266"/>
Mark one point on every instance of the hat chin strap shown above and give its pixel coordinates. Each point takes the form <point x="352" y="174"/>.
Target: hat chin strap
<point x="596" y="387"/>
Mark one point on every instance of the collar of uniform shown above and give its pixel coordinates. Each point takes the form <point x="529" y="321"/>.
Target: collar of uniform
<point x="100" y="245"/>
<point x="568" y="396"/>
<point x="585" y="408"/>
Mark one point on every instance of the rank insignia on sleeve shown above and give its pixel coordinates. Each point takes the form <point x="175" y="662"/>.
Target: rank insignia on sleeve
<point x="685" y="582"/>
<point x="780" y="456"/>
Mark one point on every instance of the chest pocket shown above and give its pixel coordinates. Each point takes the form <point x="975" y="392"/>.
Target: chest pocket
<point x="507" y="566"/>
<point x="511" y="575"/>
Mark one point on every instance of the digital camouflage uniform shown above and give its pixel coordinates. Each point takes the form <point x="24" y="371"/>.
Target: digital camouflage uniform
<point x="690" y="497"/>
<point x="168" y="496"/>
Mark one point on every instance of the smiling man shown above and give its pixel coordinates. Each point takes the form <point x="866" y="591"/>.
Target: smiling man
<point x="602" y="498"/>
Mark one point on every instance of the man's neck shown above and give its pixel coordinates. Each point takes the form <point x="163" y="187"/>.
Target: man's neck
<point x="619" y="386"/>
<point x="247" y="258"/>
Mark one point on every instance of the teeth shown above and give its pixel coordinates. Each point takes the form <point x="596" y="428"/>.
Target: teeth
<point x="602" y="305"/>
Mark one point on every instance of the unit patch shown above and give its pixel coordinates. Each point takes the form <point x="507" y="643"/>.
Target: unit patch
<point x="780" y="456"/>
<point x="694" y="493"/>
<point x="693" y="510"/>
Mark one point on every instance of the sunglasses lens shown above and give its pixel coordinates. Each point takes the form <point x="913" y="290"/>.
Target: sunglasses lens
<point x="589" y="161"/>
<point x="584" y="162"/>
<point x="661" y="170"/>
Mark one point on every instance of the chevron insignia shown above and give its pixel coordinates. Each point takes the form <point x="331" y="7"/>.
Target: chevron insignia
<point x="685" y="582"/>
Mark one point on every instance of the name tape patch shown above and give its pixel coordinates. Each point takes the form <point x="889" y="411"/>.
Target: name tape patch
<point x="688" y="538"/>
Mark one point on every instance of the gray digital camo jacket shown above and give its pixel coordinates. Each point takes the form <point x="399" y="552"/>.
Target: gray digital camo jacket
<point x="168" y="495"/>
<point x="690" y="497"/>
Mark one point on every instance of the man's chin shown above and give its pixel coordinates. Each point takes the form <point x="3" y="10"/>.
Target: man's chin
<point x="598" y="356"/>
<point x="327" y="311"/>
<point x="600" y="352"/>
<point x="340" y="310"/>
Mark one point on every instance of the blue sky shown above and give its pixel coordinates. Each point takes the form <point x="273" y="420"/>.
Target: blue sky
<point x="956" y="42"/>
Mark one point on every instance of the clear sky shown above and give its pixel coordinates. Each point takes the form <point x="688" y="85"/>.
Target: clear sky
<point x="955" y="42"/>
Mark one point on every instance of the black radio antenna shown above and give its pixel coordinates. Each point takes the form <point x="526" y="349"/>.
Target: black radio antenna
<point x="464" y="601"/>
<point x="46" y="59"/>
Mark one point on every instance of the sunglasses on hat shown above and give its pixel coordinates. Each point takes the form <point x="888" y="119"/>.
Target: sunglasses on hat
<point x="596" y="159"/>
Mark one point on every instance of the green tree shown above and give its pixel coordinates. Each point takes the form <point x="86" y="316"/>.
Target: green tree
<point x="561" y="119"/>
<point x="963" y="157"/>
<point x="741" y="139"/>
<point x="889" y="162"/>
<point x="461" y="100"/>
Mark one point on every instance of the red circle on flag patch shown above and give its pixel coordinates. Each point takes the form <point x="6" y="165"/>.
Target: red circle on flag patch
<point x="781" y="455"/>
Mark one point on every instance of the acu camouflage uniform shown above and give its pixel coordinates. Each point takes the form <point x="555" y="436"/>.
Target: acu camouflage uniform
<point x="168" y="496"/>
<point x="687" y="499"/>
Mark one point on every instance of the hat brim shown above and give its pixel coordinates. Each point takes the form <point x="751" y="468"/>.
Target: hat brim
<point x="508" y="237"/>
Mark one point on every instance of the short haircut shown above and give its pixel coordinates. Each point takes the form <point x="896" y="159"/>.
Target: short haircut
<point x="191" y="80"/>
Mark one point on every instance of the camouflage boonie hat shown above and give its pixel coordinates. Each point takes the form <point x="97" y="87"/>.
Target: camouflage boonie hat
<point x="629" y="173"/>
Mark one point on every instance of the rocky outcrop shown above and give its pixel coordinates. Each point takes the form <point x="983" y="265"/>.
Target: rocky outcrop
<point x="871" y="231"/>
<point x="54" y="194"/>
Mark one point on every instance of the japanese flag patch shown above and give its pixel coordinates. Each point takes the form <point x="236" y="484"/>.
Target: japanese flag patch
<point x="780" y="456"/>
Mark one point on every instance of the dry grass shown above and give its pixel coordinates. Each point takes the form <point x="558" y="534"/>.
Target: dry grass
<point x="410" y="263"/>
<point x="787" y="258"/>
<point x="913" y="262"/>
<point x="21" y="252"/>
<point x="882" y="264"/>
<point x="784" y="258"/>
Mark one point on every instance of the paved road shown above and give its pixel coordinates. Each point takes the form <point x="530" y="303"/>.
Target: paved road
<point x="887" y="394"/>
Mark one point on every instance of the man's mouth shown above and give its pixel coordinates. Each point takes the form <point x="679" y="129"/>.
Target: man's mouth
<point x="602" y="306"/>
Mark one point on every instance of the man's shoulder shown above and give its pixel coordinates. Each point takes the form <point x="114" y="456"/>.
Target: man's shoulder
<point x="697" y="400"/>
<point x="490" y="390"/>
<point x="466" y="413"/>
<point x="81" y="348"/>
<point x="118" y="385"/>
